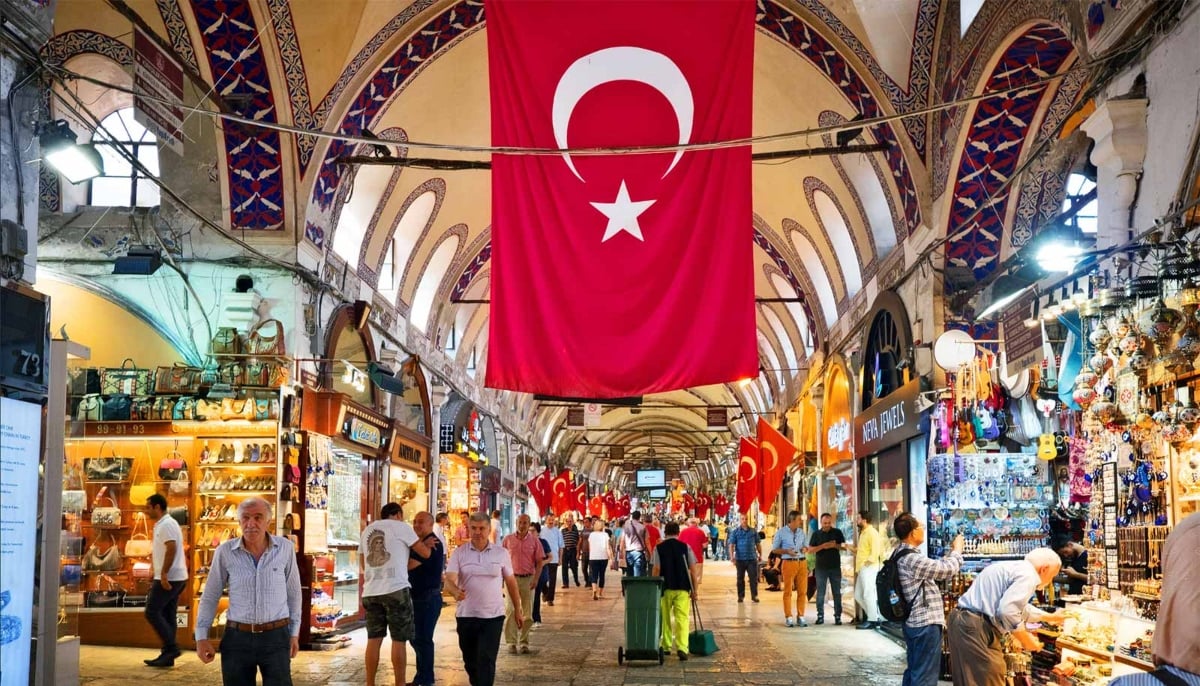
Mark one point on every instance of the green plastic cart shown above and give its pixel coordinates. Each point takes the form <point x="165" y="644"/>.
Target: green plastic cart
<point x="643" y="619"/>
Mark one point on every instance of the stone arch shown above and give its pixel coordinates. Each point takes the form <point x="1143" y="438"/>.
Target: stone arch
<point x="428" y="287"/>
<point x="847" y="250"/>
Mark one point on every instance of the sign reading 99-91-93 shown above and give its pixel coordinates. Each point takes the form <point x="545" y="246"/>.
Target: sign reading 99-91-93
<point x="20" y="441"/>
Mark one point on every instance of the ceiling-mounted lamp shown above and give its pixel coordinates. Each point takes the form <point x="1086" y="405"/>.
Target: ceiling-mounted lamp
<point x="76" y="163"/>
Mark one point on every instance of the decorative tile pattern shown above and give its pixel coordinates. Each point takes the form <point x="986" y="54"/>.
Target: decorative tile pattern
<point x="292" y="61"/>
<point x="177" y="31"/>
<point x="817" y="49"/>
<point x="387" y="82"/>
<point x="369" y="273"/>
<point x="995" y="140"/>
<point x="814" y="325"/>
<point x="253" y="155"/>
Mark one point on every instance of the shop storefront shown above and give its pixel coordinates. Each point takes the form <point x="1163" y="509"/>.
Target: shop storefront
<point x="408" y="471"/>
<point x="461" y="444"/>
<point x="838" y="495"/>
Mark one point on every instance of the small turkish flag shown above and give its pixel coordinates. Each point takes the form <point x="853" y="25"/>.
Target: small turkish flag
<point x="539" y="489"/>
<point x="721" y="505"/>
<point x="703" y="503"/>
<point x="623" y="506"/>
<point x="617" y="274"/>
<point x="749" y="480"/>
<point x="689" y="503"/>
<point x="777" y="453"/>
<point x="579" y="503"/>
<point x="610" y="505"/>
<point x="596" y="506"/>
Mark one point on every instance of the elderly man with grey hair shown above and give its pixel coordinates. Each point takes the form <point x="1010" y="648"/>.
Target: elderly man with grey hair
<point x="263" y="629"/>
<point x="998" y="603"/>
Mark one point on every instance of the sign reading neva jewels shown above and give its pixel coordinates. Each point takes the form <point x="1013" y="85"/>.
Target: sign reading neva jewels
<point x="889" y="421"/>
<point x="20" y="444"/>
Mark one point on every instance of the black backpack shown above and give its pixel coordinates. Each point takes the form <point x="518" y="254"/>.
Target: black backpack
<point x="893" y="606"/>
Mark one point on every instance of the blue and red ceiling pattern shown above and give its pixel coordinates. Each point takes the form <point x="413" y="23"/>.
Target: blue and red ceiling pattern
<point x="253" y="154"/>
<point x="995" y="140"/>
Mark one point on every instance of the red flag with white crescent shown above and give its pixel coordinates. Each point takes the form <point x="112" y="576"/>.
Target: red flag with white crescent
<point x="596" y="506"/>
<point x="561" y="499"/>
<point x="749" y="479"/>
<point x="689" y="503"/>
<point x="776" y="453"/>
<point x="624" y="506"/>
<point x="703" y="504"/>
<point x="579" y="503"/>
<point x="581" y="243"/>
<point x="721" y="505"/>
<point x="539" y="489"/>
<point x="610" y="505"/>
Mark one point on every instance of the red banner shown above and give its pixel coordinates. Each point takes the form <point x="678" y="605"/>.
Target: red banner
<point x="623" y="507"/>
<point x="637" y="269"/>
<point x="749" y="479"/>
<point x="596" y="506"/>
<point x="703" y="504"/>
<point x="610" y="505"/>
<point x="721" y="505"/>
<point x="777" y="453"/>
<point x="539" y="490"/>
<point x="562" y="492"/>
<point x="579" y="501"/>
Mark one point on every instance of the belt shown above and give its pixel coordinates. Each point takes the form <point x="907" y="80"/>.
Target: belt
<point x="522" y="576"/>
<point x="257" y="628"/>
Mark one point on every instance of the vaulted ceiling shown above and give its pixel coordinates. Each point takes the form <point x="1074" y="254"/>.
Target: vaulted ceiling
<point x="824" y="227"/>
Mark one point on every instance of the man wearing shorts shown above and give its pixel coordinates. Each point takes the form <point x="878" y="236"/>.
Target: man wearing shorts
<point x="387" y="597"/>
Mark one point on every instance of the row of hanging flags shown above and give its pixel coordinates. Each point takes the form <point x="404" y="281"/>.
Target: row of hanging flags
<point x="617" y="274"/>
<point x="762" y="465"/>
<point x="560" y="494"/>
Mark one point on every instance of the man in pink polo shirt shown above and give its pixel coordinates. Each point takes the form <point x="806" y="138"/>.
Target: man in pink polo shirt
<point x="527" y="557"/>
<point x="474" y="577"/>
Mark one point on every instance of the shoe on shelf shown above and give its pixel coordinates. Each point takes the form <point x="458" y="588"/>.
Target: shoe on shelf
<point x="800" y="622"/>
<point x="788" y="622"/>
<point x="682" y="655"/>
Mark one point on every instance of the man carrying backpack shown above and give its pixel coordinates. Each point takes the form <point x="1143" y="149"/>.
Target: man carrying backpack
<point x="908" y="593"/>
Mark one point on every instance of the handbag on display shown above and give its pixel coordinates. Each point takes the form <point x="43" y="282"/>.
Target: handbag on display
<point x="258" y="373"/>
<point x="179" y="514"/>
<point x="237" y="409"/>
<point x="117" y="408"/>
<point x="141" y="488"/>
<point x="266" y="408"/>
<point x="107" y="561"/>
<point x="70" y="575"/>
<point x="71" y="544"/>
<point x="182" y="485"/>
<point x="74" y="501"/>
<point x="208" y="409"/>
<point x="83" y="380"/>
<point x="141" y="409"/>
<point x="178" y="379"/>
<point x="90" y="408"/>
<point x="281" y="374"/>
<point x="110" y="596"/>
<point x="291" y="411"/>
<point x="128" y="379"/>
<point x="102" y="468"/>
<point x="107" y="515"/>
<point x="227" y="341"/>
<point x="232" y="373"/>
<point x="139" y="544"/>
<point x="184" y="409"/>
<point x="143" y="570"/>
<point x="259" y="343"/>
<point x="163" y="408"/>
<point x="170" y="467"/>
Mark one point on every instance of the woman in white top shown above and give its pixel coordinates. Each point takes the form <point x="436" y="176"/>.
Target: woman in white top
<point x="598" y="555"/>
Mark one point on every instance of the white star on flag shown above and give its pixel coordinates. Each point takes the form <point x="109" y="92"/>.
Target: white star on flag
<point x="622" y="214"/>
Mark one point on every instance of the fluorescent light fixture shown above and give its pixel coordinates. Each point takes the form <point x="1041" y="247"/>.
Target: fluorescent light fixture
<point x="75" y="162"/>
<point x="999" y="304"/>
<point x="1059" y="257"/>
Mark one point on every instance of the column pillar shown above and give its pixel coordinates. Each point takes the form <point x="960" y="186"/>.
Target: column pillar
<point x="1118" y="128"/>
<point x="438" y="393"/>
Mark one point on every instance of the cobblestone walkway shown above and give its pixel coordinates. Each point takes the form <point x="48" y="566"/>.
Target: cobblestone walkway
<point x="577" y="645"/>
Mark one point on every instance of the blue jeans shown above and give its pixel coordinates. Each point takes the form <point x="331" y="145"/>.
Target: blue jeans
<point x="243" y="654"/>
<point x="635" y="561"/>
<point x="924" y="645"/>
<point x="427" y="607"/>
<point x="835" y="585"/>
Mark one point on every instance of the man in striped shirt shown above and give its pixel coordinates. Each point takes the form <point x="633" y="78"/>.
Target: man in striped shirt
<point x="570" y="551"/>
<point x="263" y="630"/>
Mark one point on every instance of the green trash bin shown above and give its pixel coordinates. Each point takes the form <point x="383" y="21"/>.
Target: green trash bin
<point x="643" y="619"/>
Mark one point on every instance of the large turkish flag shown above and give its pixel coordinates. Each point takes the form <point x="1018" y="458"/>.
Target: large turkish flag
<point x="749" y="480"/>
<point x="620" y="274"/>
<point x="562" y="497"/>
<point x="539" y="490"/>
<point x="777" y="452"/>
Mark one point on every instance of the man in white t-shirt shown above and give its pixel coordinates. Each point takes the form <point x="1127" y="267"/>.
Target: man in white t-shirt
<point x="383" y="552"/>
<point x="170" y="576"/>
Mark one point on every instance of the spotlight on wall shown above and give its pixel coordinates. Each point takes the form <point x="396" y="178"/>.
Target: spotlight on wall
<point x="362" y="312"/>
<point x="75" y="162"/>
<point x="140" y="260"/>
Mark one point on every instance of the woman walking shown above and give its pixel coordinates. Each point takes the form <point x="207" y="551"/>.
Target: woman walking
<point x="598" y="555"/>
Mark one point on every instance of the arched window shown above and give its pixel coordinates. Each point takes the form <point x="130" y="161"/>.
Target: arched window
<point x="122" y="184"/>
<point x="1078" y="188"/>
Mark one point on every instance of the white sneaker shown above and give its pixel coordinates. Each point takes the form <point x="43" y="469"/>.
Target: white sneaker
<point x="800" y="622"/>
<point x="789" y="622"/>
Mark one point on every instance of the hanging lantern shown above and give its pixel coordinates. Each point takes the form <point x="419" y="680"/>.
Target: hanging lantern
<point x="1159" y="321"/>
<point x="1100" y="336"/>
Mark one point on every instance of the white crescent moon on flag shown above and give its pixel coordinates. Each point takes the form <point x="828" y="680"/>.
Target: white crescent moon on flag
<point x="746" y="459"/>
<point x="769" y="448"/>
<point x="622" y="64"/>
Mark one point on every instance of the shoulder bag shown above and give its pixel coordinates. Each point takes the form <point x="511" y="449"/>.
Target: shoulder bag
<point x="128" y="379"/>
<point x="139" y="544"/>
<point x="107" y="561"/>
<point x="178" y="379"/>
<point x="171" y="466"/>
<point x="141" y="488"/>
<point x="112" y="468"/>
<point x="107" y="516"/>
<point x="110" y="596"/>
<point x="182" y="485"/>
<point x="227" y="341"/>
<point x="90" y="408"/>
<point x="261" y="344"/>
<point x="117" y="408"/>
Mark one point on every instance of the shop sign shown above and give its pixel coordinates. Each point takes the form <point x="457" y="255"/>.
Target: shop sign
<point x="20" y="449"/>
<point x="591" y="415"/>
<point x="407" y="451"/>
<point x="363" y="433"/>
<point x="890" y="421"/>
<point x="1022" y="344"/>
<point x="716" y="418"/>
<point x="576" y="418"/>
<point x="157" y="73"/>
<point x="838" y="432"/>
<point x="838" y="437"/>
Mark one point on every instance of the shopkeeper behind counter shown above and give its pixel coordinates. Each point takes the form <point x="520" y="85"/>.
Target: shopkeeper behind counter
<point x="1075" y="563"/>
<point x="1177" y="633"/>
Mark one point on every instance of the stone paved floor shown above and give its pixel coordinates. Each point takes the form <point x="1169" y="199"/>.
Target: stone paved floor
<point x="577" y="644"/>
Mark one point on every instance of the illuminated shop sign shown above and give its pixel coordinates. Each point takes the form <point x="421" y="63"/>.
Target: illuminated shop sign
<point x="363" y="433"/>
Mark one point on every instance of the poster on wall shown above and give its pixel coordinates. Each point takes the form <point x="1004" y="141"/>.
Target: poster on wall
<point x="20" y="444"/>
